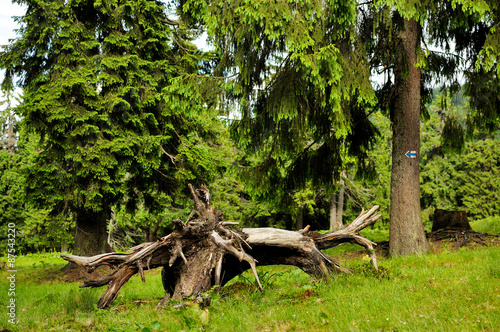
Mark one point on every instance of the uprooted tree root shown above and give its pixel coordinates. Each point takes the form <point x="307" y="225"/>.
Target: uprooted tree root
<point x="462" y="237"/>
<point x="205" y="252"/>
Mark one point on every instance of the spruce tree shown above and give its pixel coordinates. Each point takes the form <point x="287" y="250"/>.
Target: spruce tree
<point x="300" y="85"/>
<point x="300" y="79"/>
<point x="109" y="88"/>
<point x="399" y="49"/>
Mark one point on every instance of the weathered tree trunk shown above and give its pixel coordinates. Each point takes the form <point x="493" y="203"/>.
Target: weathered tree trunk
<point x="340" y="202"/>
<point x="204" y="252"/>
<point x="299" y="219"/>
<point x="334" y="224"/>
<point x="11" y="135"/>
<point x="337" y="206"/>
<point x="91" y="232"/>
<point x="444" y="219"/>
<point x="10" y="141"/>
<point x="407" y="234"/>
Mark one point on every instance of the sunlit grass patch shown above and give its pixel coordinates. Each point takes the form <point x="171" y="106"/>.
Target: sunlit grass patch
<point x="490" y="225"/>
<point x="453" y="291"/>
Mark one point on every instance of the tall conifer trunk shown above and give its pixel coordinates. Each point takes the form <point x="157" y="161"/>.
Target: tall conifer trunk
<point x="407" y="234"/>
<point x="299" y="219"/>
<point x="337" y="206"/>
<point x="333" y="213"/>
<point x="340" y="205"/>
<point x="11" y="135"/>
<point x="91" y="233"/>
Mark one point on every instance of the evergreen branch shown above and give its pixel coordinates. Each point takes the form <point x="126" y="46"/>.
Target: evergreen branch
<point x="208" y="76"/>
<point x="173" y="23"/>
<point x="366" y="116"/>
<point x="169" y="155"/>
<point x="449" y="54"/>
<point x="280" y="69"/>
<point x="180" y="46"/>
<point x="166" y="176"/>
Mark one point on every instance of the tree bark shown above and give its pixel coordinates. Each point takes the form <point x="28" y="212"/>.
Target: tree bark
<point x="299" y="219"/>
<point x="333" y="213"/>
<point x="444" y="219"/>
<point x="337" y="206"/>
<point x="11" y="135"/>
<point x="204" y="252"/>
<point x="340" y="203"/>
<point x="151" y="232"/>
<point x="407" y="234"/>
<point x="91" y="232"/>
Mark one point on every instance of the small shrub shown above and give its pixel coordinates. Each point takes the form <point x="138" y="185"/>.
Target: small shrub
<point x="368" y="270"/>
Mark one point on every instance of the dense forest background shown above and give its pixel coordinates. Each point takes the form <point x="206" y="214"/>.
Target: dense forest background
<point x="282" y="118"/>
<point x="466" y="180"/>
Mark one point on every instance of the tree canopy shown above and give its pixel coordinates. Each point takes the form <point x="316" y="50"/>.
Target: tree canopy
<point x="108" y="90"/>
<point x="300" y="87"/>
<point x="121" y="110"/>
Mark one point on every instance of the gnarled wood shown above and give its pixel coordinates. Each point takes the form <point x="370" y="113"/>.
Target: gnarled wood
<point x="444" y="219"/>
<point x="204" y="252"/>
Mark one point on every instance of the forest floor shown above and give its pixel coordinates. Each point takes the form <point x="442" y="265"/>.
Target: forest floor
<point x="452" y="289"/>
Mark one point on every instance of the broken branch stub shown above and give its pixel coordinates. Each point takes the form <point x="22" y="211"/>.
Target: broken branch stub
<point x="204" y="252"/>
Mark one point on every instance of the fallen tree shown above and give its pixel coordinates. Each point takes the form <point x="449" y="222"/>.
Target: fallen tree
<point x="205" y="252"/>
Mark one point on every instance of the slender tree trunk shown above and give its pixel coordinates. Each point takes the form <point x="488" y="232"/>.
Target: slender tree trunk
<point x="299" y="221"/>
<point x="11" y="136"/>
<point x="333" y="213"/>
<point x="407" y="234"/>
<point x="151" y="233"/>
<point x="91" y="233"/>
<point x="340" y="203"/>
<point x="337" y="206"/>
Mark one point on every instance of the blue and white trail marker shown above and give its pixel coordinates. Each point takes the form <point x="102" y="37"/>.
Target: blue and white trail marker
<point x="411" y="154"/>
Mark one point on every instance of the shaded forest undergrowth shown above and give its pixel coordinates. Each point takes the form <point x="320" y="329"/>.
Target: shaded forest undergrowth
<point x="452" y="289"/>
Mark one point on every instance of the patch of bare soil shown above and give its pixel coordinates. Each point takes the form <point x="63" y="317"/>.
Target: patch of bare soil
<point x="74" y="273"/>
<point x="236" y="287"/>
<point x="454" y="239"/>
<point x="306" y="294"/>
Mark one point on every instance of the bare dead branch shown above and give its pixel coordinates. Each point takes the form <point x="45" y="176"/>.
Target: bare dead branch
<point x="212" y="254"/>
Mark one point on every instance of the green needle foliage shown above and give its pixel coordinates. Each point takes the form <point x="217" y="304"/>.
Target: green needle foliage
<point x="473" y="28"/>
<point x="465" y="182"/>
<point x="299" y="84"/>
<point x="115" y="92"/>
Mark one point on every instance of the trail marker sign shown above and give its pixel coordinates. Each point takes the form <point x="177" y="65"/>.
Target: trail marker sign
<point x="411" y="154"/>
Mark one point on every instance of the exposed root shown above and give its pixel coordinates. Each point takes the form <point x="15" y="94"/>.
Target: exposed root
<point x="211" y="253"/>
<point x="141" y="271"/>
<point x="218" y="270"/>
<point x="461" y="237"/>
<point x="350" y="233"/>
<point x="176" y="252"/>
<point x="240" y="254"/>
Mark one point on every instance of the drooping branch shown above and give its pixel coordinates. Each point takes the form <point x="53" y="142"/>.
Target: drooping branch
<point x="204" y="252"/>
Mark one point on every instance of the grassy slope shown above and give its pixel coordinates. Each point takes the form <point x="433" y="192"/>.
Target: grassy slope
<point x="452" y="291"/>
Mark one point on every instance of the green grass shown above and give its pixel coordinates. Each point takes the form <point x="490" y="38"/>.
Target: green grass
<point x="489" y="225"/>
<point x="450" y="291"/>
